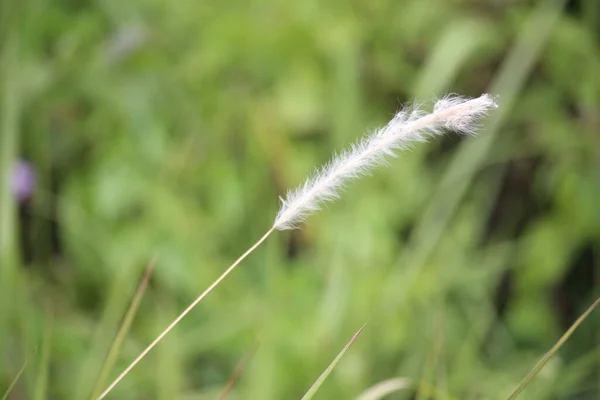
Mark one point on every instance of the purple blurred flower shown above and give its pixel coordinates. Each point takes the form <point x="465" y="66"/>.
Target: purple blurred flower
<point x="23" y="181"/>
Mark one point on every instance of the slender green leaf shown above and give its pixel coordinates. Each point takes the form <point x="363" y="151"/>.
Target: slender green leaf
<point x="16" y="379"/>
<point x="123" y="330"/>
<point x="237" y="372"/>
<point x="315" y="387"/>
<point x="538" y="367"/>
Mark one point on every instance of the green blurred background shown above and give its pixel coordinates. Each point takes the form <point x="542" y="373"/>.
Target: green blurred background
<point x="169" y="129"/>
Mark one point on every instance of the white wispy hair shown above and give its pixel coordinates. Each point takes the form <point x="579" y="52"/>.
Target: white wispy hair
<point x="408" y="126"/>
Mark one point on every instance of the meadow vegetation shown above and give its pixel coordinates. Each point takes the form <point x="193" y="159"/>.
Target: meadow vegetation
<point x="167" y="131"/>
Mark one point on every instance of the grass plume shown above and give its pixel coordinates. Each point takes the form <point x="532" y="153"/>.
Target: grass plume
<point x="408" y="126"/>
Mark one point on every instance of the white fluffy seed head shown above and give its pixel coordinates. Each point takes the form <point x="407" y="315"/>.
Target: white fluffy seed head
<point x="408" y="126"/>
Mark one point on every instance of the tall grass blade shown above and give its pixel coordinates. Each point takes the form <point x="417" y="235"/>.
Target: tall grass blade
<point x="237" y="372"/>
<point x="41" y="381"/>
<point x="16" y="379"/>
<point x="116" y="345"/>
<point x="315" y="387"/>
<point x="538" y="367"/>
<point x="473" y="154"/>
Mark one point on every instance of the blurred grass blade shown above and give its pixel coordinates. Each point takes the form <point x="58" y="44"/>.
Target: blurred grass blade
<point x="10" y="99"/>
<point x="237" y="372"/>
<point x="10" y="111"/>
<point x="16" y="379"/>
<point x="456" y="46"/>
<point x="123" y="330"/>
<point x="428" y="376"/>
<point x="43" y="373"/>
<point x="385" y="388"/>
<point x="313" y="389"/>
<point x="474" y="153"/>
<point x="552" y="351"/>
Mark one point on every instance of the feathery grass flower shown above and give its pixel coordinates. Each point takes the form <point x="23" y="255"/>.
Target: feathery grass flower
<point x="408" y="126"/>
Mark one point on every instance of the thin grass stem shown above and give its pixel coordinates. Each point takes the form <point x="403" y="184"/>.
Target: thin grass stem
<point x="185" y="312"/>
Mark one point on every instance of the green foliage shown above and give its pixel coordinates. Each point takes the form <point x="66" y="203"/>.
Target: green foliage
<point x="171" y="128"/>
